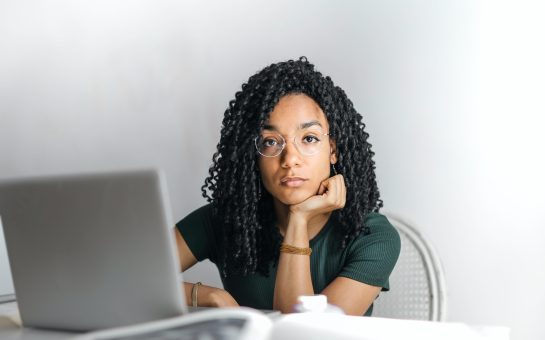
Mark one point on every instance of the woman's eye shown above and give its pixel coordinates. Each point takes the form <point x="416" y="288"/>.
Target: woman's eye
<point x="269" y="142"/>
<point x="309" y="139"/>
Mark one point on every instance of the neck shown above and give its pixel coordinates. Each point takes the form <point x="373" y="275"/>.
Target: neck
<point x="314" y="225"/>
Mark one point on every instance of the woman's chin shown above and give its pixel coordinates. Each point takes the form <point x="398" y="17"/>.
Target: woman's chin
<point x="294" y="198"/>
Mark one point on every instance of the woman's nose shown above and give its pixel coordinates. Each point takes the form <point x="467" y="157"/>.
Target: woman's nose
<point x="290" y="155"/>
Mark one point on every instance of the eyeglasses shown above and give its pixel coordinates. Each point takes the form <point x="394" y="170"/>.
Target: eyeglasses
<point x="307" y="142"/>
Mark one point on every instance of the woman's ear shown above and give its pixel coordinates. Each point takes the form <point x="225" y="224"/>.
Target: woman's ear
<point x="333" y="152"/>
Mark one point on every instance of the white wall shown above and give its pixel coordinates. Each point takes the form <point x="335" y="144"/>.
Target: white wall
<point x="451" y="91"/>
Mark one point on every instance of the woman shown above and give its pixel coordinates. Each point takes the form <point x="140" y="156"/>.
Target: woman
<point x="293" y="200"/>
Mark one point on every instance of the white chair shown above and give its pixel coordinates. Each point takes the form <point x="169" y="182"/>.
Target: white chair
<point x="417" y="284"/>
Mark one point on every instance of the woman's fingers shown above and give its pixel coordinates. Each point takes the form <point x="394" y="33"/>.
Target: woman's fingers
<point x="343" y="192"/>
<point x="335" y="191"/>
<point x="322" y="189"/>
<point x="331" y="196"/>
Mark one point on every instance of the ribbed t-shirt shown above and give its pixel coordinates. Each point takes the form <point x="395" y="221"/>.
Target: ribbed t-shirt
<point x="369" y="258"/>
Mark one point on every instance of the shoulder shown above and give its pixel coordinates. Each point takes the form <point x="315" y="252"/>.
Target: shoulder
<point x="199" y="230"/>
<point x="199" y="216"/>
<point x="379" y="224"/>
<point x="382" y="238"/>
<point x="371" y="257"/>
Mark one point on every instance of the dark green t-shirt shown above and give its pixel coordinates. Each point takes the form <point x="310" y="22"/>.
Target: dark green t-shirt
<point x="368" y="258"/>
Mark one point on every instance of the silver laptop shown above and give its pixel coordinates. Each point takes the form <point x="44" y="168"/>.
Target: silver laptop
<point x="91" y="251"/>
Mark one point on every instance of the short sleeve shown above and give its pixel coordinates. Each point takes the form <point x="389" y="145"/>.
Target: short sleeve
<point x="198" y="231"/>
<point x="372" y="257"/>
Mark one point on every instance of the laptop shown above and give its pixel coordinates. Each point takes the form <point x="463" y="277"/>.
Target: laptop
<point x="6" y="283"/>
<point x="91" y="251"/>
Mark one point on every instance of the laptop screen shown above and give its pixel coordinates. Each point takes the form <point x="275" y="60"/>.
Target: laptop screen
<point x="6" y="283"/>
<point x="90" y="251"/>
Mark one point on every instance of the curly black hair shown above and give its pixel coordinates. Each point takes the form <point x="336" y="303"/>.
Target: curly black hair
<point x="250" y="237"/>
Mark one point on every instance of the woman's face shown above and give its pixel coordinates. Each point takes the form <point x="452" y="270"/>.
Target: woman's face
<point x="292" y="177"/>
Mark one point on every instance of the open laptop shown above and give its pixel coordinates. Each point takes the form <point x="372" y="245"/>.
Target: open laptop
<point x="91" y="251"/>
<point x="6" y="283"/>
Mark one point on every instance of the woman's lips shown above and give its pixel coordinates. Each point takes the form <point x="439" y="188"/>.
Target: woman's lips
<point x="292" y="182"/>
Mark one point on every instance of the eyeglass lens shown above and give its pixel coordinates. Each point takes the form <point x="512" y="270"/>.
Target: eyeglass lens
<point x="271" y="144"/>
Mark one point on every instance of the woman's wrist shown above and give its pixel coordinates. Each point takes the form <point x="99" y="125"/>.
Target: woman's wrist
<point x="195" y="294"/>
<point x="296" y="231"/>
<point x="205" y="296"/>
<point x="297" y="219"/>
<point x="201" y="294"/>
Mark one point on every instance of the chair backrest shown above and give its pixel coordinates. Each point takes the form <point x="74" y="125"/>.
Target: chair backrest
<point x="417" y="283"/>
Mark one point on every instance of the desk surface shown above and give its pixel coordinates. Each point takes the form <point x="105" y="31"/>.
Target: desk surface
<point x="304" y="326"/>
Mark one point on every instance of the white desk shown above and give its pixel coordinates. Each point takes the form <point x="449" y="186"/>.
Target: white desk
<point x="306" y="326"/>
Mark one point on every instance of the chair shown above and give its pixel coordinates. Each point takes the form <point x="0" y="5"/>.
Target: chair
<point x="417" y="283"/>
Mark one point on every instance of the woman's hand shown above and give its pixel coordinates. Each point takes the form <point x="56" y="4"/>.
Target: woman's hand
<point x="331" y="196"/>
<point x="209" y="296"/>
<point x="215" y="297"/>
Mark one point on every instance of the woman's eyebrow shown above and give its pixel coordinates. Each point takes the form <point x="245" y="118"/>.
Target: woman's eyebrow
<point x="305" y="125"/>
<point x="269" y="127"/>
<point x="309" y="124"/>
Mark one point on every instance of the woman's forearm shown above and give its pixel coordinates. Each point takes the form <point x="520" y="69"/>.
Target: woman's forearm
<point x="293" y="274"/>
<point x="187" y="291"/>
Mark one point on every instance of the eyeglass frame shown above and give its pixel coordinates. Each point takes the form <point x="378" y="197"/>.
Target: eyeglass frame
<point x="284" y="143"/>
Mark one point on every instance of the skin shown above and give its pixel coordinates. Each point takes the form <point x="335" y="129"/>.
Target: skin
<point x="304" y="197"/>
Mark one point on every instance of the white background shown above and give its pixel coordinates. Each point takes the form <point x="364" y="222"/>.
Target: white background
<point x="452" y="93"/>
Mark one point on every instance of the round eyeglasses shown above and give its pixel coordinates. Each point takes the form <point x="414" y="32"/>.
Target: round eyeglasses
<point x="307" y="142"/>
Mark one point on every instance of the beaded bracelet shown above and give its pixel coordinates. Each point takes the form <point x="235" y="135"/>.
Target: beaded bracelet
<point x="194" y="291"/>
<point x="286" y="248"/>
